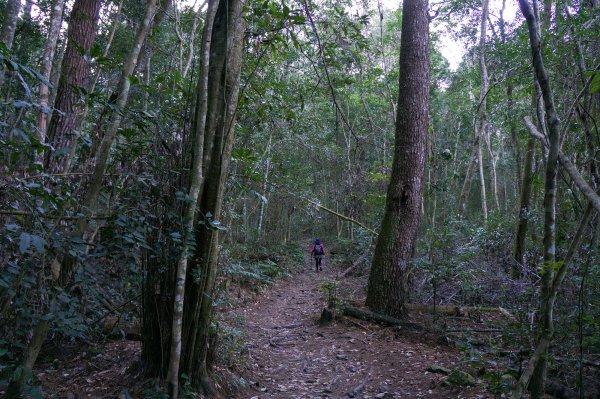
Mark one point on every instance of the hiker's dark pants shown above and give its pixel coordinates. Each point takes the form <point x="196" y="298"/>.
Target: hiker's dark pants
<point x="318" y="259"/>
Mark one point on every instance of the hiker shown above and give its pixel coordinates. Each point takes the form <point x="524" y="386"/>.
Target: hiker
<point x="318" y="252"/>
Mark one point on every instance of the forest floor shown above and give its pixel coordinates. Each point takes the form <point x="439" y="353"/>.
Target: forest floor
<point x="288" y="354"/>
<point x="291" y="355"/>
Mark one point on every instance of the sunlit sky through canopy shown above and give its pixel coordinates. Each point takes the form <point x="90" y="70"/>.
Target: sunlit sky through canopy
<point x="451" y="48"/>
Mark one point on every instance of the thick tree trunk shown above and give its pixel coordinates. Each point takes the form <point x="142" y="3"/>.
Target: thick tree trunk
<point x="75" y="75"/>
<point x="388" y="279"/>
<point x="229" y="25"/>
<point x="194" y="192"/>
<point x="545" y="323"/>
<point x="220" y="90"/>
<point x="47" y="58"/>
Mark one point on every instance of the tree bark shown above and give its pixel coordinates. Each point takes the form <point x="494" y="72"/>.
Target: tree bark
<point x="29" y="357"/>
<point x="47" y="58"/>
<point x="545" y="323"/>
<point x="221" y="93"/>
<point x="480" y="126"/>
<point x="466" y="188"/>
<point x="194" y="192"/>
<point x="524" y="209"/>
<point x="75" y="76"/>
<point x="388" y="279"/>
<point x="480" y="130"/>
<point x="9" y="25"/>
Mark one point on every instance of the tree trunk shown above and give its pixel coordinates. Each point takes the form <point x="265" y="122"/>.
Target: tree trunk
<point x="482" y="111"/>
<point x="493" y="161"/>
<point x="223" y="91"/>
<point x="89" y="202"/>
<point x="9" y="25"/>
<point x="194" y="192"/>
<point x="192" y="47"/>
<point x="220" y="89"/>
<point x="466" y="188"/>
<point x="513" y="135"/>
<point x="67" y="264"/>
<point x="263" y="204"/>
<point x="524" y="209"/>
<point x="75" y="75"/>
<point x="29" y="357"/>
<point x="47" y="58"/>
<point x="545" y="323"/>
<point x="388" y="279"/>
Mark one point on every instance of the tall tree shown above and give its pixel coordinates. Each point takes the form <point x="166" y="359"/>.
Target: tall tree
<point x="545" y="323"/>
<point x="64" y="264"/>
<point x="388" y="279"/>
<point x="480" y="127"/>
<point x="197" y="178"/>
<point x="9" y="25"/>
<point x="53" y="33"/>
<point x="214" y="132"/>
<point x="223" y="91"/>
<point x="74" y="81"/>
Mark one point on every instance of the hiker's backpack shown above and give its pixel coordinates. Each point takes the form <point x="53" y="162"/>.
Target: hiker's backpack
<point x="318" y="249"/>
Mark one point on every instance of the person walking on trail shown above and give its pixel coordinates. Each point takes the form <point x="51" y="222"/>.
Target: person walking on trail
<point x="318" y="252"/>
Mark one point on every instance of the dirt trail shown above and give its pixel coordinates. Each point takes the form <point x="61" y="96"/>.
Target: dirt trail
<point x="292" y="356"/>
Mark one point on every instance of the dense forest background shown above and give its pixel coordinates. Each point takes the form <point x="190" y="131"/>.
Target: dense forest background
<point x="151" y="149"/>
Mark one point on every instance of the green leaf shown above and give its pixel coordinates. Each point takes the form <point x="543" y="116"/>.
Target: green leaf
<point x="595" y="83"/>
<point x="24" y="242"/>
<point x="12" y="227"/>
<point x="95" y="51"/>
<point x="134" y="80"/>
<point x="39" y="243"/>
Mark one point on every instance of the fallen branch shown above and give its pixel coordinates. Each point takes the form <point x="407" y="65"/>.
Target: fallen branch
<point x="356" y="323"/>
<point x="367" y="315"/>
<point x="455" y="310"/>
<point x="584" y="362"/>
<point x="477" y="330"/>
<point x="356" y="263"/>
<point x="347" y="218"/>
